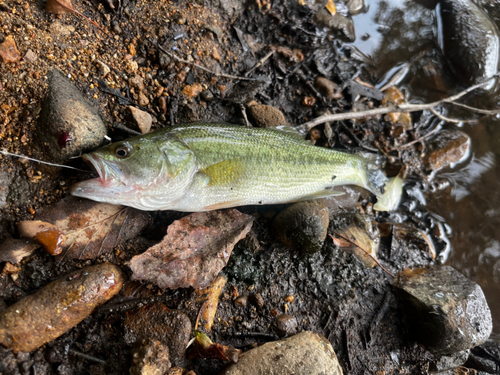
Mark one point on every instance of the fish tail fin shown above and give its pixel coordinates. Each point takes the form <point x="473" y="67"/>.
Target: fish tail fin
<point x="375" y="178"/>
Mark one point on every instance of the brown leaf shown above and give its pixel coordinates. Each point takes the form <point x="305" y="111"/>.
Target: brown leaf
<point x="59" y="6"/>
<point x="92" y="228"/>
<point x="13" y="250"/>
<point x="203" y="347"/>
<point x="210" y="298"/>
<point x="194" y="250"/>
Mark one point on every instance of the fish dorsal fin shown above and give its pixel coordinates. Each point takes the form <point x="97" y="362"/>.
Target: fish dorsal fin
<point x="225" y="172"/>
<point x="287" y="129"/>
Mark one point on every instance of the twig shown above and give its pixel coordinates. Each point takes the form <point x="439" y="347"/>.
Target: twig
<point x="199" y="66"/>
<point x="244" y="113"/>
<point x="86" y="356"/>
<point x="367" y="253"/>
<point x="259" y="63"/>
<point x="416" y="140"/>
<point x="401" y="108"/>
<point x="451" y="120"/>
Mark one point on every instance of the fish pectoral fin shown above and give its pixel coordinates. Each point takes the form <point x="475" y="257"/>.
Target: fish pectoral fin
<point x="321" y="194"/>
<point x="225" y="172"/>
<point x="228" y="204"/>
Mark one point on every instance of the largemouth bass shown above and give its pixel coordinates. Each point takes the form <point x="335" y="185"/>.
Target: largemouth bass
<point x="201" y="167"/>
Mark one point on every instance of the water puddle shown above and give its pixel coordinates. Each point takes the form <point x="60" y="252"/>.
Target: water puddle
<point x="392" y="33"/>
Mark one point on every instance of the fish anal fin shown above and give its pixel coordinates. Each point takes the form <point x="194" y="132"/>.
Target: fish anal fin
<point x="227" y="204"/>
<point x="225" y="172"/>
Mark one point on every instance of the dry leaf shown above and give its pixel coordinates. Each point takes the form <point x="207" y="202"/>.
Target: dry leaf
<point x="330" y="7"/>
<point x="203" y="347"/>
<point x="92" y="228"/>
<point x="194" y="250"/>
<point x="13" y="250"/>
<point x="210" y="298"/>
<point x="59" y="6"/>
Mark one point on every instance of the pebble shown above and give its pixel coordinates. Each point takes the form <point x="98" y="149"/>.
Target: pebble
<point x="356" y="6"/>
<point x="266" y="116"/>
<point x="470" y="41"/>
<point x="58" y="307"/>
<point x="171" y="327"/>
<point x="103" y="68"/>
<point x="163" y="104"/>
<point x="165" y="60"/>
<point x="207" y="95"/>
<point x="192" y="90"/>
<point x="142" y="119"/>
<point x="131" y="66"/>
<point x="8" y="50"/>
<point x="137" y="82"/>
<point x="444" y="311"/>
<point x="143" y="99"/>
<point x="149" y="357"/>
<point x="303" y="226"/>
<point x="306" y="353"/>
<point x="448" y="147"/>
<point x="30" y="56"/>
<point x="68" y="124"/>
<point x="286" y="325"/>
<point x="257" y="300"/>
<point x="241" y="301"/>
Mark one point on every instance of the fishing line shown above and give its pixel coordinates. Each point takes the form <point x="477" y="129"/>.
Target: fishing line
<point x="4" y="152"/>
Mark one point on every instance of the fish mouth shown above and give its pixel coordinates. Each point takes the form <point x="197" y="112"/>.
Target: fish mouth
<point x="97" y="165"/>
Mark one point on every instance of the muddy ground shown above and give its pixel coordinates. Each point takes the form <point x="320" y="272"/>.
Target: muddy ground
<point x="334" y="293"/>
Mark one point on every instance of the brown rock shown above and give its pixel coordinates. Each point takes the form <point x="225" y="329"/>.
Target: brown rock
<point x="328" y="88"/>
<point x="143" y="99"/>
<point x="286" y="325"/>
<point x="448" y="147"/>
<point x="8" y="50"/>
<point x="57" y="29"/>
<point x="55" y="309"/>
<point x="149" y="357"/>
<point x="157" y="322"/>
<point x="142" y="119"/>
<point x="137" y="82"/>
<point x="266" y="116"/>
<point x="163" y="104"/>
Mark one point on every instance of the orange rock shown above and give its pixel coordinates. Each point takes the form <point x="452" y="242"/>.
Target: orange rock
<point x="192" y="90"/>
<point x="8" y="50"/>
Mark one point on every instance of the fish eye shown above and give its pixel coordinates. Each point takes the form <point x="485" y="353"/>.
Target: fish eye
<point x="122" y="151"/>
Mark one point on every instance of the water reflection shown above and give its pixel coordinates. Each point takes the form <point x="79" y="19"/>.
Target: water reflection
<point x="393" y="32"/>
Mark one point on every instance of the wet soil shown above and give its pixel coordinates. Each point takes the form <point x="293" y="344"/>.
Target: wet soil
<point x="333" y="292"/>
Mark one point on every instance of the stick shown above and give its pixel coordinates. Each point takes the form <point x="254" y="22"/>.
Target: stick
<point x="400" y="109"/>
<point x="259" y="63"/>
<point x="157" y="46"/>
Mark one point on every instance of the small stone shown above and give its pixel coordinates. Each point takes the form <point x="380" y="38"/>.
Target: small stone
<point x="448" y="147"/>
<point x="116" y="28"/>
<point x="68" y="125"/>
<point x="207" y="95"/>
<point x="57" y="29"/>
<point x="356" y="6"/>
<point x="328" y="88"/>
<point x="136" y="82"/>
<point x="149" y="357"/>
<point x="286" y="325"/>
<point x="142" y="119"/>
<point x="8" y="50"/>
<point x="131" y="66"/>
<point x="30" y="56"/>
<point x="163" y="104"/>
<point x="444" y="311"/>
<point x="303" y="226"/>
<point x="446" y="363"/>
<point x="257" y="300"/>
<point x="103" y="68"/>
<point x="143" y="99"/>
<point x="165" y="60"/>
<point x="157" y="322"/>
<point x="241" y="301"/>
<point x="131" y="49"/>
<point x="266" y="116"/>
<point x="306" y="353"/>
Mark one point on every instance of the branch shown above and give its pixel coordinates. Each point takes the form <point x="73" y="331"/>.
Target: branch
<point x="401" y="108"/>
<point x="160" y="48"/>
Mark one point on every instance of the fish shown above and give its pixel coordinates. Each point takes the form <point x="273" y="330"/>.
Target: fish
<point x="207" y="166"/>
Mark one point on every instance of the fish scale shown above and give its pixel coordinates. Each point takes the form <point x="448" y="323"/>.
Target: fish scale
<point x="211" y="166"/>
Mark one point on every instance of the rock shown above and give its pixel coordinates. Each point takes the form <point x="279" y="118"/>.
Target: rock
<point x="470" y="41"/>
<point x="136" y="82"/>
<point x="131" y="66"/>
<point x="68" y="124"/>
<point x="149" y="357"/>
<point x="257" y="300"/>
<point x="103" y="68"/>
<point x="306" y="353"/>
<point x="229" y="9"/>
<point x="6" y="177"/>
<point x="192" y="90"/>
<point x="446" y="363"/>
<point x="57" y="29"/>
<point x="30" y="56"/>
<point x="207" y="95"/>
<point x="448" y="147"/>
<point x="55" y="309"/>
<point x="165" y="60"/>
<point x="286" y="325"/>
<point x="266" y="116"/>
<point x="157" y="322"/>
<point x="339" y="24"/>
<point x="163" y="104"/>
<point x="142" y="119"/>
<point x="143" y="99"/>
<point x="356" y="6"/>
<point x="328" y="88"/>
<point x="8" y="50"/>
<point x="302" y="226"/>
<point x="444" y="311"/>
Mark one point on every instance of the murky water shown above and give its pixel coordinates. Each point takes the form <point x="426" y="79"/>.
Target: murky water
<point x="394" y="32"/>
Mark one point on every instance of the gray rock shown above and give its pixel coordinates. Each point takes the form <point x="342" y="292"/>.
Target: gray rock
<point x="5" y="181"/>
<point x="448" y="147"/>
<point x="303" y="226"/>
<point x="444" y="311"/>
<point x="306" y="353"/>
<point x="445" y="363"/>
<point x="470" y="41"/>
<point x="266" y="116"/>
<point x="68" y="125"/>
